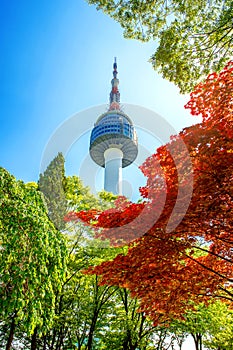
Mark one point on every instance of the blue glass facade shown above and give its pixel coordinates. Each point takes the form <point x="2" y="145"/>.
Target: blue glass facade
<point x="114" y="129"/>
<point x="113" y="124"/>
<point x="113" y="132"/>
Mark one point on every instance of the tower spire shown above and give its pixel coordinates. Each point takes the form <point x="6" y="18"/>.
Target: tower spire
<point x="114" y="100"/>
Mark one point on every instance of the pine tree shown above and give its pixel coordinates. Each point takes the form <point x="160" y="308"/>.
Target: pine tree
<point x="51" y="184"/>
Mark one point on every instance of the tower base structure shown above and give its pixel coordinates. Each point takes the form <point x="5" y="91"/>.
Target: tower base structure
<point x="113" y="170"/>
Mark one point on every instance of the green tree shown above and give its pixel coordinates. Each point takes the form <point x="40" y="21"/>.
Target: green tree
<point x="81" y="305"/>
<point x="88" y="315"/>
<point x="51" y="183"/>
<point x="127" y="328"/>
<point x="209" y="325"/>
<point x="192" y="38"/>
<point x="92" y="316"/>
<point x="219" y="318"/>
<point x="79" y="197"/>
<point x="32" y="261"/>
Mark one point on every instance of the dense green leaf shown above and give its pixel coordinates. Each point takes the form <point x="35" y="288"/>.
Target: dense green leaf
<point x="192" y="38"/>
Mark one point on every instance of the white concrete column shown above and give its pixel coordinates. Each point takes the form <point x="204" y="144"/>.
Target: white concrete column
<point x="113" y="170"/>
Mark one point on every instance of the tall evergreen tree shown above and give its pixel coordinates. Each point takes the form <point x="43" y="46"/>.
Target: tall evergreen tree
<point x="51" y="184"/>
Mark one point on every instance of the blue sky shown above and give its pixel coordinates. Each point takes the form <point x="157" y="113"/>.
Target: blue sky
<point x="56" y="61"/>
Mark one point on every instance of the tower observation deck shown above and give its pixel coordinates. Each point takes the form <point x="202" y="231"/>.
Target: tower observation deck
<point x="113" y="143"/>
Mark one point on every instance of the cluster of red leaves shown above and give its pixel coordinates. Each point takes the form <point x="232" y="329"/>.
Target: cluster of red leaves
<point x="212" y="99"/>
<point x="181" y="243"/>
<point x="119" y="224"/>
<point x="85" y="216"/>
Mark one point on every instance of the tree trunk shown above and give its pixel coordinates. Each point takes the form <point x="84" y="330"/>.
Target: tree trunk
<point x="11" y="334"/>
<point x="34" y="340"/>
<point x="53" y="339"/>
<point x="197" y="340"/>
<point x="60" y="339"/>
<point x="44" y="342"/>
<point x="91" y="335"/>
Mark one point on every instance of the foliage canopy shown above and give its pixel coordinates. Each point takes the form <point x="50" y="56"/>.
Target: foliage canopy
<point x="192" y="38"/>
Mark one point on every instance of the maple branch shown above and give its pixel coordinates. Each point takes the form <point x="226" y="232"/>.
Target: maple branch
<point x="148" y="331"/>
<point x="104" y="298"/>
<point x="209" y="269"/>
<point x="215" y="30"/>
<point x="71" y="276"/>
<point x="226" y="291"/>
<point x="220" y="296"/>
<point x="75" y="245"/>
<point x="212" y="253"/>
<point x="229" y="242"/>
<point x="217" y="49"/>
<point x="228" y="29"/>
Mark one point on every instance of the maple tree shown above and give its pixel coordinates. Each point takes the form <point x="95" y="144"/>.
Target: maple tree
<point x="180" y="244"/>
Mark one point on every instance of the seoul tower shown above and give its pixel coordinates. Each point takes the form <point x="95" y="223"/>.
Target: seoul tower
<point x="113" y="143"/>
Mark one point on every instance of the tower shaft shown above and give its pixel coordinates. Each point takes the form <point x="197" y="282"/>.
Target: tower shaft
<point x="113" y="170"/>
